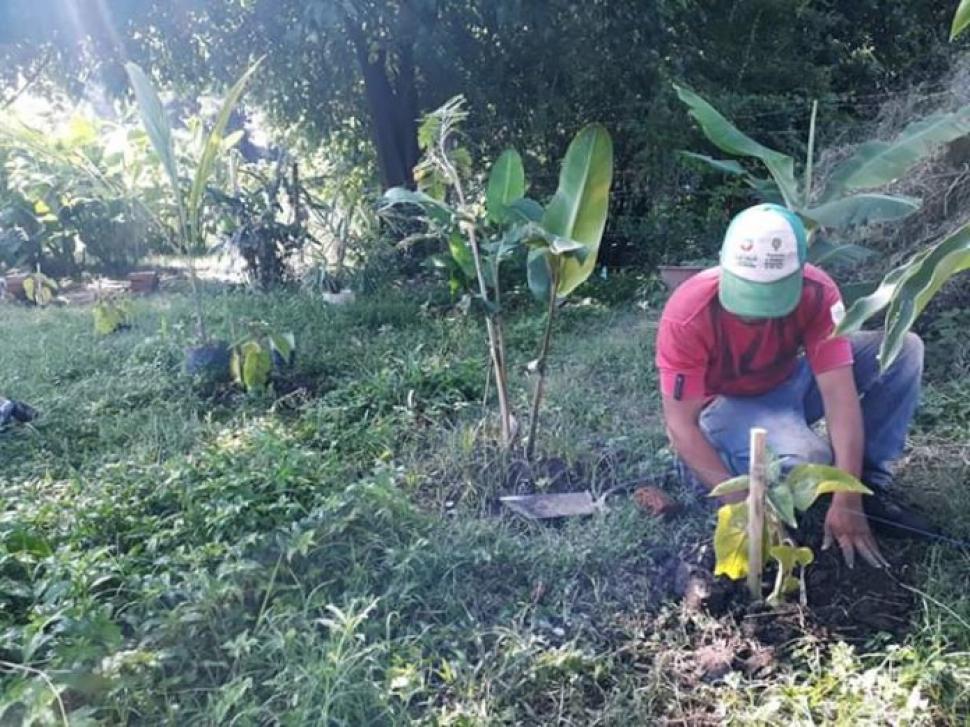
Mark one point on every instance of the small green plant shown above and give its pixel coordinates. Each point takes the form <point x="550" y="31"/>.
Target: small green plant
<point x="40" y="289"/>
<point x="783" y="499"/>
<point x="254" y="356"/>
<point x="110" y="315"/>
<point x="190" y="236"/>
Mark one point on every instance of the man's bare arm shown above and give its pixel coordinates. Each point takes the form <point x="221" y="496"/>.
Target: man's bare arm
<point x="687" y="439"/>
<point x="845" y="522"/>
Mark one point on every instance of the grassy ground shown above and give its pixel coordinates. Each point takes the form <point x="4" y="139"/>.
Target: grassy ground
<point x="333" y="554"/>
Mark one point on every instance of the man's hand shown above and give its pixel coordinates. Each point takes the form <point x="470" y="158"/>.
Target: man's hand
<point x="846" y="524"/>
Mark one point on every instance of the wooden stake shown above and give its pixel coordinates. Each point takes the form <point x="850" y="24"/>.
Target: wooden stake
<point x="756" y="511"/>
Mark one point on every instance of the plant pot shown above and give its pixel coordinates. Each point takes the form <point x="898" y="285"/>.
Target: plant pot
<point x="343" y="297"/>
<point x="209" y="362"/>
<point x="15" y="287"/>
<point x="143" y="282"/>
<point x="674" y="275"/>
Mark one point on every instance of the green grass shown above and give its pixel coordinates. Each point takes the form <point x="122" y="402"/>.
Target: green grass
<point x="334" y="556"/>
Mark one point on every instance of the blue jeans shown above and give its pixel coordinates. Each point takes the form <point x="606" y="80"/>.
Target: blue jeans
<point x="788" y="411"/>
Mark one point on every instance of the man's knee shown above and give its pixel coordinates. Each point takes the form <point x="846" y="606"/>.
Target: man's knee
<point x="809" y="450"/>
<point x="911" y="354"/>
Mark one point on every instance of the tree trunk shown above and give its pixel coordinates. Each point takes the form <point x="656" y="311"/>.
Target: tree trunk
<point x="393" y="109"/>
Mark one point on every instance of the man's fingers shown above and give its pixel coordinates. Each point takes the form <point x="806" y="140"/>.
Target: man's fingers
<point x="827" y="540"/>
<point x="870" y="552"/>
<point x="848" y="551"/>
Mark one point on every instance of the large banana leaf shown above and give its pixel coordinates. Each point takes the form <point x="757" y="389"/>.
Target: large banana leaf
<point x="506" y="183"/>
<point x="927" y="275"/>
<point x="211" y="151"/>
<point x="725" y="136"/>
<point x="824" y="252"/>
<point x="434" y="209"/>
<point x="961" y="20"/>
<point x="877" y="163"/>
<point x="867" y="306"/>
<point x="155" y="121"/>
<point x="578" y="210"/>
<point x="727" y="166"/>
<point x="863" y="209"/>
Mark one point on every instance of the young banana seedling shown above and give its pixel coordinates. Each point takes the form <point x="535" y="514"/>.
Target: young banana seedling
<point x="784" y="498"/>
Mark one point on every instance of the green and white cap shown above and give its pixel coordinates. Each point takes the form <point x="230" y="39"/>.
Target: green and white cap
<point x="762" y="259"/>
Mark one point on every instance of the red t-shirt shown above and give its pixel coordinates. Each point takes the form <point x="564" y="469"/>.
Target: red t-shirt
<point x="703" y="350"/>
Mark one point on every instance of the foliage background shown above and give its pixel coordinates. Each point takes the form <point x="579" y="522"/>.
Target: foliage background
<point x="352" y="78"/>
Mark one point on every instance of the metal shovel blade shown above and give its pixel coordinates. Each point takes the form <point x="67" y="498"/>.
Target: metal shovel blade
<point x="541" y="507"/>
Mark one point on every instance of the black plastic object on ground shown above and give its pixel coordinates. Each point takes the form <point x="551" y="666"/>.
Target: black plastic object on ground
<point x="15" y="411"/>
<point x="209" y="362"/>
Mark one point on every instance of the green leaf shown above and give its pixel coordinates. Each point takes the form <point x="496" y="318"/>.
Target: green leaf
<point x="922" y="280"/>
<point x="539" y="273"/>
<point x="155" y="121"/>
<point x="863" y="209"/>
<point x="867" y="306"/>
<point x="789" y="556"/>
<point x="961" y="19"/>
<point x="438" y="211"/>
<point x="726" y="137"/>
<point x="524" y="210"/>
<point x="731" y="541"/>
<point x="284" y="344"/>
<point x="461" y="253"/>
<point x="211" y="152"/>
<point x="808" y="481"/>
<point x="728" y="487"/>
<point x="506" y="183"/>
<point x="877" y="163"/>
<point x="824" y="252"/>
<point x="781" y="500"/>
<point x="727" y="166"/>
<point x="579" y="208"/>
<point x="256" y="366"/>
<point x="107" y="318"/>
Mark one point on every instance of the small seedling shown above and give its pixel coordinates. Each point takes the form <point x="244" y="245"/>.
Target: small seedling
<point x="39" y="289"/>
<point x="254" y="356"/>
<point x="110" y="315"/>
<point x="785" y="497"/>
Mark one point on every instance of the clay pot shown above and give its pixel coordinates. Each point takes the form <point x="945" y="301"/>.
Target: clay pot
<point x="674" y="275"/>
<point x="143" y="282"/>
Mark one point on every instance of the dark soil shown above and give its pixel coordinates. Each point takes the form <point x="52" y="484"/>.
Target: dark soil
<point x="850" y="604"/>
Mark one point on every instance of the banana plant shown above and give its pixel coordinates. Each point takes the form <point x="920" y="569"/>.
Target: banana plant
<point x="846" y="199"/>
<point x="477" y="238"/>
<point x="189" y="203"/>
<point x="905" y="291"/>
<point x="565" y="241"/>
<point x="562" y="238"/>
<point x="784" y="498"/>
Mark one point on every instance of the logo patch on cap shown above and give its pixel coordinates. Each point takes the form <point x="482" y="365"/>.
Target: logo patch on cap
<point x="762" y="250"/>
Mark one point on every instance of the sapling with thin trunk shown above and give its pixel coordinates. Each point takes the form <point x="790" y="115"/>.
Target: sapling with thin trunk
<point x="783" y="498"/>
<point x="189" y="236"/>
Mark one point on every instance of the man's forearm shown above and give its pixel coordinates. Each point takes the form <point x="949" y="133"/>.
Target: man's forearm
<point x="847" y="434"/>
<point x="698" y="454"/>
